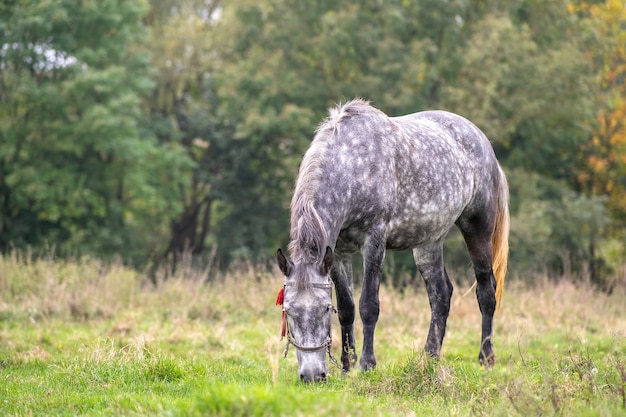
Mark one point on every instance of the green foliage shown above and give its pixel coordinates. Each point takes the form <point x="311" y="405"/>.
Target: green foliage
<point x="153" y="129"/>
<point x="527" y="86"/>
<point x="75" y="170"/>
<point x="546" y="214"/>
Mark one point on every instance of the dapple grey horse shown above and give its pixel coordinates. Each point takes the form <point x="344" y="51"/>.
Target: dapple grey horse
<point x="369" y="183"/>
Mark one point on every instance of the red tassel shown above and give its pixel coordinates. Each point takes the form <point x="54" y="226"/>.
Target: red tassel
<point x="280" y="297"/>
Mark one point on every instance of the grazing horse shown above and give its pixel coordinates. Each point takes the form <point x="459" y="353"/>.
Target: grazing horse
<point x="369" y="183"/>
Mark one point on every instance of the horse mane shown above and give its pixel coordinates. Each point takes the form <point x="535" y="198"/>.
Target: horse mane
<point x="340" y="112"/>
<point x="309" y="237"/>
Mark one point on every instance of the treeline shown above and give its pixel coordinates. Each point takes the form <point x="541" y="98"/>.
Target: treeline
<point x="149" y="129"/>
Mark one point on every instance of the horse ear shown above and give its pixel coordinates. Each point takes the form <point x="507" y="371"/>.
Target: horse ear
<point x="284" y="264"/>
<point x="327" y="262"/>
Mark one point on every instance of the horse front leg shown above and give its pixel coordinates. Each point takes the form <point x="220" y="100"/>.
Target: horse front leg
<point x="342" y="277"/>
<point x="369" y="304"/>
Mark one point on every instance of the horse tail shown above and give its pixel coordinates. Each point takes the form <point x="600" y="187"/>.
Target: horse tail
<point x="500" y="237"/>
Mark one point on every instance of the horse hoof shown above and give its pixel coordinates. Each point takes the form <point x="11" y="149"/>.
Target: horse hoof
<point x="432" y="352"/>
<point x="487" y="361"/>
<point x="348" y="362"/>
<point x="368" y="365"/>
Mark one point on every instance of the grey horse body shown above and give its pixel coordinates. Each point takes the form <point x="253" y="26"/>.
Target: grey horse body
<point x="369" y="183"/>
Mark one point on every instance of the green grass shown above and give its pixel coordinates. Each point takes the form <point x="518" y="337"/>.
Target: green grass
<point x="83" y="338"/>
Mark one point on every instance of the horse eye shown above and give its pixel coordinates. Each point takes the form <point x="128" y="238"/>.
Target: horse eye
<point x="293" y="312"/>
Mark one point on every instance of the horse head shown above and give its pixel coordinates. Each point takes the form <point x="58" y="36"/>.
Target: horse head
<point x="307" y="308"/>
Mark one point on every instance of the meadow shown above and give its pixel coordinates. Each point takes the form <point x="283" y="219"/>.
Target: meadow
<point x="87" y="338"/>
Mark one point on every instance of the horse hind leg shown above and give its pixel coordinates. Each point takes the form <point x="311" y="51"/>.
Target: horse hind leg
<point x="479" y="246"/>
<point x="439" y="288"/>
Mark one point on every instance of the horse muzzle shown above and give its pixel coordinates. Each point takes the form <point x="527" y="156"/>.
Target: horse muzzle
<point x="313" y="371"/>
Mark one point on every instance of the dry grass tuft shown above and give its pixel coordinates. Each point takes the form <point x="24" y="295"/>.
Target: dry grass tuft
<point x="79" y="290"/>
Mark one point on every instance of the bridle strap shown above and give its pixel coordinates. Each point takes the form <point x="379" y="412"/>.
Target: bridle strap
<point x="309" y="349"/>
<point x="314" y="285"/>
<point x="326" y="345"/>
<point x="291" y="340"/>
<point x="280" y="300"/>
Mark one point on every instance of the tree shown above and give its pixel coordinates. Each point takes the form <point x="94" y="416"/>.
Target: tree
<point x="181" y="112"/>
<point x="225" y="200"/>
<point x="604" y="168"/>
<point x="527" y="87"/>
<point x="76" y="170"/>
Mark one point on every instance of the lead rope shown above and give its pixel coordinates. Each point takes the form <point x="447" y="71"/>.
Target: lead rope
<point x="330" y="342"/>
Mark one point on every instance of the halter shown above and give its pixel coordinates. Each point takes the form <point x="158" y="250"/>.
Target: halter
<point x="286" y="329"/>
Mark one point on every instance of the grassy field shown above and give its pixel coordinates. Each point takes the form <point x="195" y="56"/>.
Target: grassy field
<point x="83" y="338"/>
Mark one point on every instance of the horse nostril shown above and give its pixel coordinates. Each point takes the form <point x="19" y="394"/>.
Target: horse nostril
<point x="308" y="378"/>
